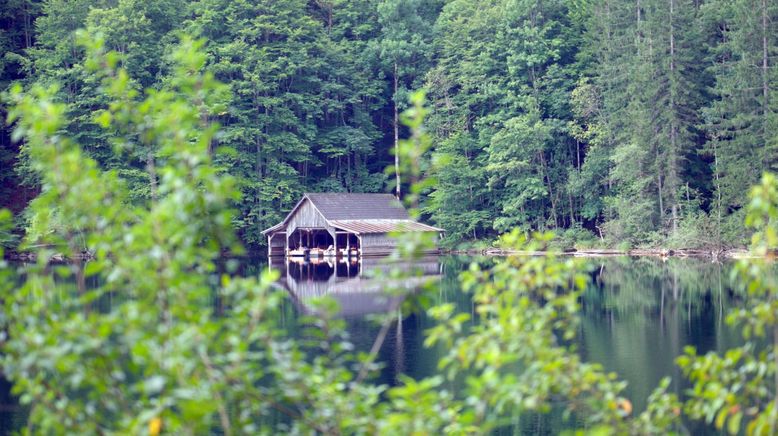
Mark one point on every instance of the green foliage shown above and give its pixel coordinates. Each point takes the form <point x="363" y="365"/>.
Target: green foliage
<point x="514" y="359"/>
<point x="500" y="90"/>
<point x="696" y="229"/>
<point x="576" y="237"/>
<point x="147" y="347"/>
<point x="740" y="120"/>
<point x="123" y="356"/>
<point x="17" y="34"/>
<point x="7" y="239"/>
<point x="737" y="391"/>
<point x="641" y="122"/>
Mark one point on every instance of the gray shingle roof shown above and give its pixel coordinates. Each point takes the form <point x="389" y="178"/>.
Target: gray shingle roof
<point x="346" y="206"/>
<point x="360" y="213"/>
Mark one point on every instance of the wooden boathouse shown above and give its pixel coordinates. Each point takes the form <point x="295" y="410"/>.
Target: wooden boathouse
<point x="342" y="225"/>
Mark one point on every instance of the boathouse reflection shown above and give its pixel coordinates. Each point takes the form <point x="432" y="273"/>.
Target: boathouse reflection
<point x="359" y="286"/>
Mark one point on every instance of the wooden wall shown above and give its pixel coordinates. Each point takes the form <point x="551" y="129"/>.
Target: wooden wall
<point x="308" y="217"/>
<point x="377" y="244"/>
<point x="277" y="245"/>
<point x="381" y="244"/>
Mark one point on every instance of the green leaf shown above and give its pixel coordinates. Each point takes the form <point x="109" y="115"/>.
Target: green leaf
<point x="733" y="426"/>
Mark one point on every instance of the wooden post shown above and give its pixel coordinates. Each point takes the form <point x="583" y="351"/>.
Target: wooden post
<point x="348" y="246"/>
<point x="288" y="273"/>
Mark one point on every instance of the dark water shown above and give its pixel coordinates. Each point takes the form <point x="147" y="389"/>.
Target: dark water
<point x="638" y="314"/>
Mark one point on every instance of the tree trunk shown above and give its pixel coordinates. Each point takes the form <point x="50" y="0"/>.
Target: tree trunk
<point x="659" y="189"/>
<point x="258" y="156"/>
<point x="348" y="172"/>
<point x="551" y="196"/>
<point x="765" y="86"/>
<point x="637" y="33"/>
<point x="396" y="136"/>
<point x="152" y="170"/>
<point x="258" y="140"/>
<point x="718" y="191"/>
<point x="673" y="158"/>
<point x="27" y="28"/>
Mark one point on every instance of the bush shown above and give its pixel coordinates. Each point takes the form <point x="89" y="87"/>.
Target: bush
<point x="575" y="237"/>
<point x="695" y="230"/>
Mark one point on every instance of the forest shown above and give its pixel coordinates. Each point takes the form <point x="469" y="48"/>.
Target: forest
<point x="161" y="137"/>
<point x="614" y="122"/>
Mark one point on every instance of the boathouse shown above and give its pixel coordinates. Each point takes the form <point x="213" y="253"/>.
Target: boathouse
<point x="342" y="224"/>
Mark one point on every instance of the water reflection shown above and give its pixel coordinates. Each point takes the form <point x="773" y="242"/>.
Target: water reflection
<point x="359" y="287"/>
<point x="640" y="313"/>
<point x="636" y="316"/>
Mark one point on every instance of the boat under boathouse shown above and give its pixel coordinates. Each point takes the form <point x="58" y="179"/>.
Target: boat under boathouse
<point x="342" y="225"/>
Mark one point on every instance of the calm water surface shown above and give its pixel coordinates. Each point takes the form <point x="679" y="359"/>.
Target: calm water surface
<point x="637" y="315"/>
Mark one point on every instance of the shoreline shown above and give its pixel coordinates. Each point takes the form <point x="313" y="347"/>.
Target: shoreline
<point x="608" y="252"/>
<point x="720" y="254"/>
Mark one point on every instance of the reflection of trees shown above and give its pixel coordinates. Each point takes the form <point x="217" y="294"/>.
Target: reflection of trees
<point x="639" y="313"/>
<point x="645" y="286"/>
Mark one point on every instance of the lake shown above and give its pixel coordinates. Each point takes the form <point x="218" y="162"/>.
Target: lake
<point x="637" y="315"/>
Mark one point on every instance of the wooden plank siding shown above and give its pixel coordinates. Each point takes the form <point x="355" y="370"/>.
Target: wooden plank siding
<point x="381" y="244"/>
<point x="377" y="244"/>
<point x="308" y="217"/>
<point x="276" y="244"/>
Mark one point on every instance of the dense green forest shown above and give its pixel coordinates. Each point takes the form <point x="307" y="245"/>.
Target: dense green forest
<point x="635" y="121"/>
<point x="159" y="333"/>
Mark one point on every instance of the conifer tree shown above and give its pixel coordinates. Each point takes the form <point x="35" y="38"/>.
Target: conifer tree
<point x="740" y="120"/>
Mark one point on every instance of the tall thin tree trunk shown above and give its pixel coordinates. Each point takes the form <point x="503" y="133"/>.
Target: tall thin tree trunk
<point x="718" y="191"/>
<point x="152" y="170"/>
<point x="659" y="187"/>
<point x="637" y="33"/>
<point x="258" y="161"/>
<point x="348" y="172"/>
<point x="578" y="154"/>
<point x="27" y="28"/>
<point x="673" y="170"/>
<point x="551" y="196"/>
<point x="329" y="19"/>
<point x="765" y="86"/>
<point x="396" y="136"/>
<point x="258" y="140"/>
